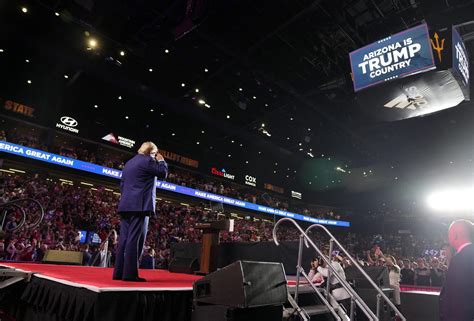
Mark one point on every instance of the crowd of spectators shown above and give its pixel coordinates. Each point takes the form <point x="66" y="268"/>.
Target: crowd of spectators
<point x="29" y="137"/>
<point x="71" y="208"/>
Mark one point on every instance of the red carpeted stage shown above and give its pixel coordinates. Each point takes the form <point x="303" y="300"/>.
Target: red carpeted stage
<point x="63" y="292"/>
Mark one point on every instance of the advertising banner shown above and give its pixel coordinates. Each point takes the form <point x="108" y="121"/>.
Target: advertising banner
<point x="461" y="62"/>
<point x="397" y="56"/>
<point x="114" y="173"/>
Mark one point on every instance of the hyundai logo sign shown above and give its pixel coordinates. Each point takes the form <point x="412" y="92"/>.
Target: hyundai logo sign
<point x="68" y="123"/>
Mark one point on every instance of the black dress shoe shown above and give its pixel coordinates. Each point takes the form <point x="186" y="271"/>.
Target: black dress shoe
<point x="137" y="279"/>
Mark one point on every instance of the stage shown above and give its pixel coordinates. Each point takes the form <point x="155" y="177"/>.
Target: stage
<point x="63" y="292"/>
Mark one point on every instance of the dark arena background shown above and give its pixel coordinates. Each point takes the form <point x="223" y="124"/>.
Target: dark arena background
<point x="318" y="154"/>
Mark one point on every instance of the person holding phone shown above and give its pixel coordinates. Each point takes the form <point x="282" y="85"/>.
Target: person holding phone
<point x="137" y="203"/>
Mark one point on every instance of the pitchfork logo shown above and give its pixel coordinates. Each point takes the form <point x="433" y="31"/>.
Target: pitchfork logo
<point x="69" y="121"/>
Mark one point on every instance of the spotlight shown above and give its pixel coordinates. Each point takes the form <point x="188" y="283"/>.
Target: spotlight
<point x="201" y="102"/>
<point x="167" y="51"/>
<point x="28" y="81"/>
<point x="196" y="90"/>
<point x="56" y="14"/>
<point x="183" y="84"/>
<point x="126" y="117"/>
<point x="122" y="53"/>
<point x="92" y="43"/>
<point x="454" y="200"/>
<point x="24" y="9"/>
<point x="1" y="50"/>
<point x="227" y="116"/>
<point x="150" y="69"/>
<point x="66" y="76"/>
<point x="206" y="70"/>
<point x="96" y="106"/>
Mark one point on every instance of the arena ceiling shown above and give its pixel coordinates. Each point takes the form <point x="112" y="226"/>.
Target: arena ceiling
<point x="260" y="87"/>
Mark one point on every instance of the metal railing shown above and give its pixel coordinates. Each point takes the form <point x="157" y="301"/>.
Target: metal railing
<point x="16" y="204"/>
<point x="380" y="296"/>
<point x="355" y="298"/>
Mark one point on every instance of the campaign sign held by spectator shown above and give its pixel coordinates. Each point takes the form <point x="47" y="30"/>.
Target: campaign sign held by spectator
<point x="396" y="56"/>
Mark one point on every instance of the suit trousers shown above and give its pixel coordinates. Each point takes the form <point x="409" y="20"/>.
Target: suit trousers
<point x="133" y="229"/>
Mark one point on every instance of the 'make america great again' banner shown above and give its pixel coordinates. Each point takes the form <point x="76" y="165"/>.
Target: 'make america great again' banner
<point x="396" y="56"/>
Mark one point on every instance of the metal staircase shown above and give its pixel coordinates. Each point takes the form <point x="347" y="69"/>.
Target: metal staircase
<point x="327" y="302"/>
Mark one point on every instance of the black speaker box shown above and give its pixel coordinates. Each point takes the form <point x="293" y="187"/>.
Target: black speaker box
<point x="243" y="284"/>
<point x="379" y="274"/>
<point x="183" y="265"/>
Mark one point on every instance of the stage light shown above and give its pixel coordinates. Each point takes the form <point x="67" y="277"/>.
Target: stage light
<point x="453" y="200"/>
<point x="119" y="97"/>
<point x="288" y="138"/>
<point x="28" y="81"/>
<point x="207" y="105"/>
<point x="300" y="144"/>
<point x="92" y="43"/>
<point x="122" y="53"/>
<point x="228" y="117"/>
<point x="1" y="50"/>
<point x="66" y="76"/>
<point x="56" y="14"/>
<point x="232" y="141"/>
<point x="126" y="117"/>
<point x="202" y="132"/>
<point x="309" y="129"/>
<point x="152" y="110"/>
<point x="254" y="97"/>
<point x="274" y="172"/>
<point x="197" y="143"/>
<point x="240" y="89"/>
<point x="206" y="70"/>
<point x="24" y="9"/>
<point x="167" y="51"/>
<point x="201" y="102"/>
<point x="263" y="125"/>
<point x="27" y="60"/>
<point x="229" y="155"/>
<point x="96" y="106"/>
<point x="276" y="164"/>
<point x="246" y="162"/>
<point x="162" y="114"/>
<point x="150" y="69"/>
<point x="266" y="105"/>
<point x="291" y="118"/>
<point x="183" y="84"/>
<point x="196" y="90"/>
<point x="173" y="134"/>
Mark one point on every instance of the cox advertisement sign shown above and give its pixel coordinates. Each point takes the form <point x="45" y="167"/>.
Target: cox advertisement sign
<point x="396" y="56"/>
<point x="250" y="180"/>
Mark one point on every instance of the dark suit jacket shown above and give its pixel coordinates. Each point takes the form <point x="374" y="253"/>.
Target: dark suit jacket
<point x="138" y="184"/>
<point x="457" y="296"/>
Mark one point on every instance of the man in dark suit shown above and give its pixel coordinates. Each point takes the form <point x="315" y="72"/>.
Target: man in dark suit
<point x="137" y="203"/>
<point x="457" y="296"/>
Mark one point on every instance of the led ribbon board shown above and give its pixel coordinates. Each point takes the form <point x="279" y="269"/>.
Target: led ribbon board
<point x="51" y="158"/>
<point x="397" y="56"/>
